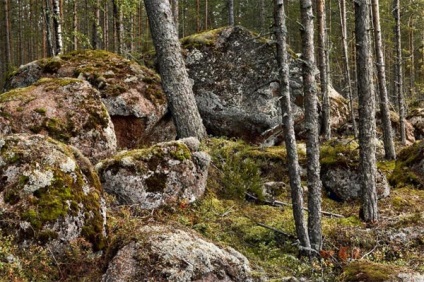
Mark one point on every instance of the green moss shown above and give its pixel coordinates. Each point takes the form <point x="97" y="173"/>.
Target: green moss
<point x="405" y="171"/>
<point x="50" y="65"/>
<point x="18" y="94"/>
<point x="336" y="153"/>
<point x="52" y="84"/>
<point x="367" y="271"/>
<point x="41" y="111"/>
<point x="198" y="40"/>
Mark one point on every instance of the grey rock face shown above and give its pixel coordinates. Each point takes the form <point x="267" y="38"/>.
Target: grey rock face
<point x="167" y="253"/>
<point x="69" y="110"/>
<point x="344" y="183"/>
<point x="48" y="192"/>
<point x="235" y="82"/>
<point x="164" y="174"/>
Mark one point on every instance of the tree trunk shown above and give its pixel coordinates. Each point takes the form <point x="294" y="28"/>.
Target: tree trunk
<point x="175" y="14"/>
<point x="96" y="33"/>
<point x="343" y="23"/>
<point x="389" y="146"/>
<point x="119" y="27"/>
<point x="175" y="80"/>
<point x="57" y="28"/>
<point x="262" y="28"/>
<point x="48" y="14"/>
<point x="230" y="5"/>
<point x="311" y="124"/>
<point x="75" y="26"/>
<point x="7" y="41"/>
<point x="399" y="75"/>
<point x="206" y="14"/>
<point x="288" y="125"/>
<point x="323" y="68"/>
<point x="365" y="86"/>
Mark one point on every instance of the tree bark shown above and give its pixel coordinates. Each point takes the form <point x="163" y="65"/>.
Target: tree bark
<point x="230" y="5"/>
<point x="288" y="125"/>
<point x="311" y="124"/>
<point x="174" y="75"/>
<point x="175" y="14"/>
<point x="389" y="146"/>
<point x="343" y="23"/>
<point x="48" y="14"/>
<point x="323" y="68"/>
<point x="7" y="41"/>
<point x="57" y="24"/>
<point x="364" y="64"/>
<point x="399" y="74"/>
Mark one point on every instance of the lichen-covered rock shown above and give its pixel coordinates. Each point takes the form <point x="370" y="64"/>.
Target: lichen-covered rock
<point x="69" y="110"/>
<point x="344" y="183"/>
<point x="49" y="192"/>
<point x="236" y="85"/>
<point x="164" y="174"/>
<point x="394" y="119"/>
<point x="132" y="94"/>
<point x="416" y="119"/>
<point x="167" y="253"/>
<point x="340" y="172"/>
<point x="409" y="169"/>
<point x="339" y="110"/>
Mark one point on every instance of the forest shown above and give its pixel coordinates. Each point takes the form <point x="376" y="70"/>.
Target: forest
<point x="211" y="140"/>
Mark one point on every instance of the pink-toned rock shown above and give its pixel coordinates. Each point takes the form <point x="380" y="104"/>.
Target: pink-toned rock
<point x="69" y="110"/>
<point x="132" y="94"/>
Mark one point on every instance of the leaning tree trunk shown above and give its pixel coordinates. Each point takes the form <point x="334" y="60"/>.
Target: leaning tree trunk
<point x="175" y="80"/>
<point x="343" y="21"/>
<point x="399" y="75"/>
<point x="57" y="24"/>
<point x="288" y="125"/>
<point x="389" y="146"/>
<point x="311" y="124"/>
<point x="364" y="64"/>
<point x="323" y="68"/>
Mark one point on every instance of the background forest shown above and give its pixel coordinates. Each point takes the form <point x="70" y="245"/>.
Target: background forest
<point x="121" y="26"/>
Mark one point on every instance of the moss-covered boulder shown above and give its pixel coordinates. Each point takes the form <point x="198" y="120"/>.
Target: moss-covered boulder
<point x="367" y="271"/>
<point x="168" y="253"/>
<point x="409" y="169"/>
<point x="132" y="94"/>
<point x="416" y="119"/>
<point x="235" y="78"/>
<point x="69" y="110"/>
<point x="49" y="192"/>
<point x="340" y="172"/>
<point x="167" y="173"/>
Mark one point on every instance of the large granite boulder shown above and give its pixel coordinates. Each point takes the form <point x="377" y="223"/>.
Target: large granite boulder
<point x="165" y="174"/>
<point x="167" y="253"/>
<point x="235" y="77"/>
<point x="132" y="94"/>
<point x="49" y="192"/>
<point x="69" y="110"/>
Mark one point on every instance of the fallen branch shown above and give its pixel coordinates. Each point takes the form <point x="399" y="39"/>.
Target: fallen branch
<point x="280" y="204"/>
<point x="290" y="236"/>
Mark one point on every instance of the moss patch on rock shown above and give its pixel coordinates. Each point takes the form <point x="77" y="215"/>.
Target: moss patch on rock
<point x="48" y="187"/>
<point x="409" y="169"/>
